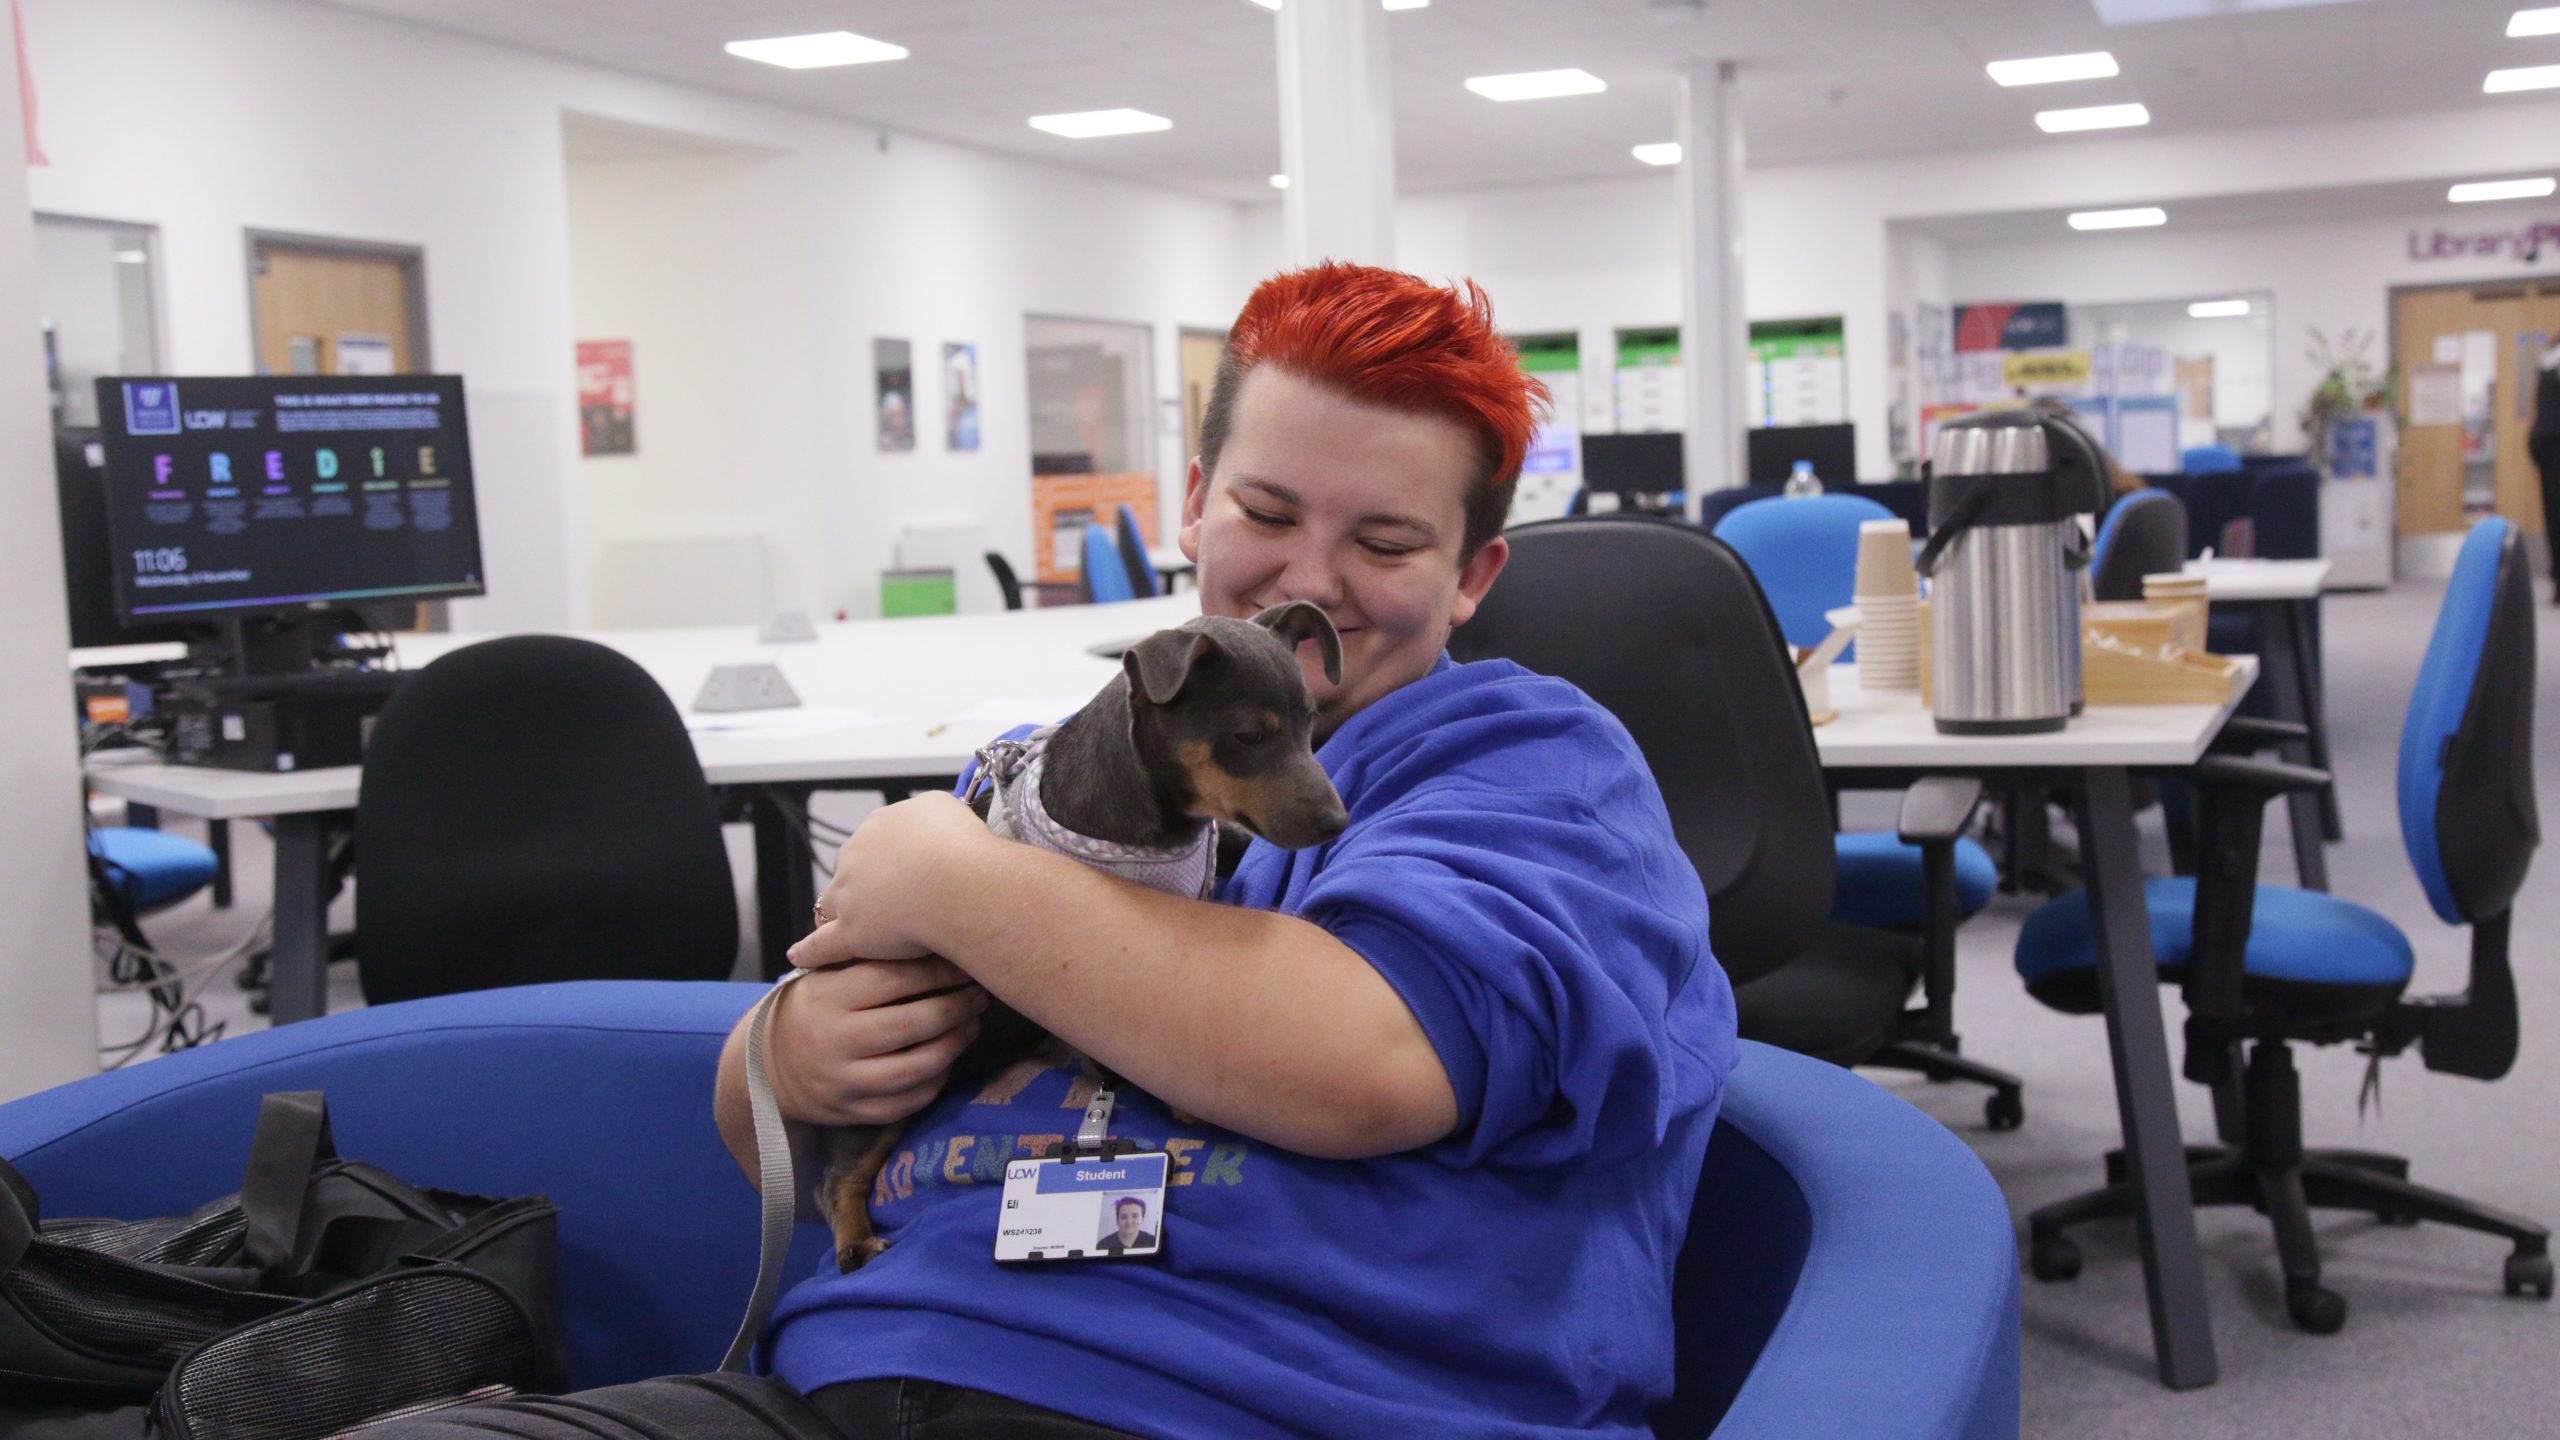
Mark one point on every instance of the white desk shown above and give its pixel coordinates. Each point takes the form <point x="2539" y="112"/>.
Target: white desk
<point x="1889" y="731"/>
<point x="2284" y="595"/>
<point x="928" y="692"/>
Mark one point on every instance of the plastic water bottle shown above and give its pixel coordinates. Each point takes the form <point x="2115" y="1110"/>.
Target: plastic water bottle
<point x="1802" y="482"/>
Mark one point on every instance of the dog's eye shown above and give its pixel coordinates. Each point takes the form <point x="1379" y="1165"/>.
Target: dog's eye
<point x="1256" y="737"/>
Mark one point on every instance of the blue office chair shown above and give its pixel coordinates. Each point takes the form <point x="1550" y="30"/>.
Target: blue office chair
<point x="1143" y="579"/>
<point x="2266" y="965"/>
<point x="1104" y="578"/>
<point x="2145" y="533"/>
<point x="1850" y="1269"/>
<point x="2209" y="460"/>
<point x="1804" y="553"/>
<point x="149" y="869"/>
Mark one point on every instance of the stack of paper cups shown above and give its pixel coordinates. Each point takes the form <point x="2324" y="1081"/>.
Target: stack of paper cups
<point x="1888" y="599"/>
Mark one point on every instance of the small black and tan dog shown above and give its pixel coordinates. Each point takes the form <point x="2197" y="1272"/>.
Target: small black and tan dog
<point x="1207" y="723"/>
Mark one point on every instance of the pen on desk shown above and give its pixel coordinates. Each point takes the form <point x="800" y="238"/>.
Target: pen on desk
<point x="938" y="729"/>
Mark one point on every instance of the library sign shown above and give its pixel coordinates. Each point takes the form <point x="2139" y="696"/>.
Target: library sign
<point x="2525" y="244"/>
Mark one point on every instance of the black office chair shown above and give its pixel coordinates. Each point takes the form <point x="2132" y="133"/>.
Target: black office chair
<point x="1665" y="627"/>
<point x="2145" y="534"/>
<point x="2266" y="965"/>
<point x="532" y="811"/>
<point x="1006" y="580"/>
<point x="1143" y="580"/>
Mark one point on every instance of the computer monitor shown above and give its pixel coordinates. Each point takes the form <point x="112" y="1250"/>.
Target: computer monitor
<point x="286" y="495"/>
<point x="1771" y="452"/>
<point x="89" y="589"/>
<point x="1647" y="464"/>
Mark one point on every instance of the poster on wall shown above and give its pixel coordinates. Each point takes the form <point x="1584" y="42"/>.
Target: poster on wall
<point x="1551" y="471"/>
<point x="604" y="398"/>
<point x="960" y="396"/>
<point x="1647" y="384"/>
<point x="365" y="355"/>
<point x="2012" y="325"/>
<point x="895" y="377"/>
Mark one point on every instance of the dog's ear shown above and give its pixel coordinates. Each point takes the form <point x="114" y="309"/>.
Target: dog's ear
<point x="1300" y="621"/>
<point x="1158" y="665"/>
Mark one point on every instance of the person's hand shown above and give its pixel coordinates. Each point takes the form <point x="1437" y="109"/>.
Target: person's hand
<point x="900" y="865"/>
<point x="870" y="1042"/>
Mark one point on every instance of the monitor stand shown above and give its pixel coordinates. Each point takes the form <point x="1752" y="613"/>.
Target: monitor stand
<point x="269" y="644"/>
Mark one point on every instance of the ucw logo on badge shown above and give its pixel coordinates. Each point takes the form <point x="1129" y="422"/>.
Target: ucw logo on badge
<point x="150" y="408"/>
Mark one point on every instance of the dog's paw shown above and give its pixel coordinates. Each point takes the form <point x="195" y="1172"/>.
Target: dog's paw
<point x="854" y="1256"/>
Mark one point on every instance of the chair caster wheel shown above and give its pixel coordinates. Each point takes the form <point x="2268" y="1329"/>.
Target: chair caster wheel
<point x="2005" y="1110"/>
<point x="2529" y="1273"/>
<point x="2397" y="1219"/>
<point x="2314" y="1310"/>
<point x="2051" y="1258"/>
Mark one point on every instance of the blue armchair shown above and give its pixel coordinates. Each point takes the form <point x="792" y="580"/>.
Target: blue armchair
<point x="1851" y="1270"/>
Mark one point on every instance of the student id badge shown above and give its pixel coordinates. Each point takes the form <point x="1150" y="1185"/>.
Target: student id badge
<point x="1094" y="1203"/>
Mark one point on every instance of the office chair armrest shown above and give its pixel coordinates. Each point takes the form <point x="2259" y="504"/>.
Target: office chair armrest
<point x="2246" y="777"/>
<point x="1935" y="810"/>
<point x="2248" y="734"/>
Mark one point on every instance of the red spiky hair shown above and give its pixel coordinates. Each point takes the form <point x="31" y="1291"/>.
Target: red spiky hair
<point x="1391" y="339"/>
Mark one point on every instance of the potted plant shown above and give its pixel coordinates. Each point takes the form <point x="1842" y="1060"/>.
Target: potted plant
<point x="2349" y="385"/>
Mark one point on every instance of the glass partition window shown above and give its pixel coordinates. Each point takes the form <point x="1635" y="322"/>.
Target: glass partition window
<point x="93" y="292"/>
<point x="2215" y="354"/>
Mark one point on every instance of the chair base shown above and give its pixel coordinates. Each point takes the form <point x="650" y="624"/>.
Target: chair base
<point x="2272" y="1174"/>
<point x="2004" y="1109"/>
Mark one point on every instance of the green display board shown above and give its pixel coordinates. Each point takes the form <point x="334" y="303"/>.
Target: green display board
<point x="918" y="592"/>
<point x="1547" y="354"/>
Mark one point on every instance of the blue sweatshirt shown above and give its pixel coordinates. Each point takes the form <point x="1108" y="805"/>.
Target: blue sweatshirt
<point x="1510" y="869"/>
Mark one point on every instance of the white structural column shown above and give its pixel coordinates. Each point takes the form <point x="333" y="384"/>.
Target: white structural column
<point x="1715" y="335"/>
<point x="1337" y="132"/>
<point x="48" y="1012"/>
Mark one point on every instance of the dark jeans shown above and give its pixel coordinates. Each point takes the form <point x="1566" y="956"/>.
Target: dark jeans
<point x="742" y="1407"/>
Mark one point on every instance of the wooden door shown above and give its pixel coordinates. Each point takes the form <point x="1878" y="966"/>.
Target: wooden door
<point x="329" y="312"/>
<point x="2430" y="486"/>
<point x="1200" y="351"/>
<point x="2522" y="318"/>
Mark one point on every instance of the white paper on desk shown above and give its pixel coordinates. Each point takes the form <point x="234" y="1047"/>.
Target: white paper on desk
<point x="783" y="724"/>
<point x="1003" y="713"/>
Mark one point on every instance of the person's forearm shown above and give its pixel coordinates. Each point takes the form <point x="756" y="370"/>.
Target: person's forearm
<point x="736" y="1119"/>
<point x="1258" y="1022"/>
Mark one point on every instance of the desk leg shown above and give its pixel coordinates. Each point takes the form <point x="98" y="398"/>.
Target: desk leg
<point x="298" y="983"/>
<point x="217" y="837"/>
<point x="785" y="890"/>
<point x="2280" y="650"/>
<point x="2146" y="1104"/>
<point x="2315" y="708"/>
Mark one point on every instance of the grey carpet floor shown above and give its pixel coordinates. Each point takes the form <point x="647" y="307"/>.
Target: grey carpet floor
<point x="2431" y="1346"/>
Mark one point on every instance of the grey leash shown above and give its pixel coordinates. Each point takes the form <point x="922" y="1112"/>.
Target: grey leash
<point x="773" y="1164"/>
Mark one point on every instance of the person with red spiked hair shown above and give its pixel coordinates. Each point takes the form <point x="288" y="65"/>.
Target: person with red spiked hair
<point x="1434" y="1094"/>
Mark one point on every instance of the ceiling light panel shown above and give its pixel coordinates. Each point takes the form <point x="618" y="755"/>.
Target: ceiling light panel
<point x="2132" y="219"/>
<point x="1537" y="85"/>
<point x="817" y="52"/>
<point x="2091" y="117"/>
<point x="2531" y="77"/>
<point x="2217" y="309"/>
<point x="2052" y="69"/>
<point x="1094" y="124"/>
<point x="2526" y="23"/>
<point x="2472" y="192"/>
<point x="1665" y="152"/>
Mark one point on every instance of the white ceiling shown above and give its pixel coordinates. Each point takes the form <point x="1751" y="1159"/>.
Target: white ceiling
<point x="1823" y="80"/>
<point x="2392" y="201"/>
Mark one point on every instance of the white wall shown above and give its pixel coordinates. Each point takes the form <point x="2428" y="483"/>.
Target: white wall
<point x="1596" y="255"/>
<point x="205" y="118"/>
<point x="48" y="1015"/>
<point x="2332" y="275"/>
